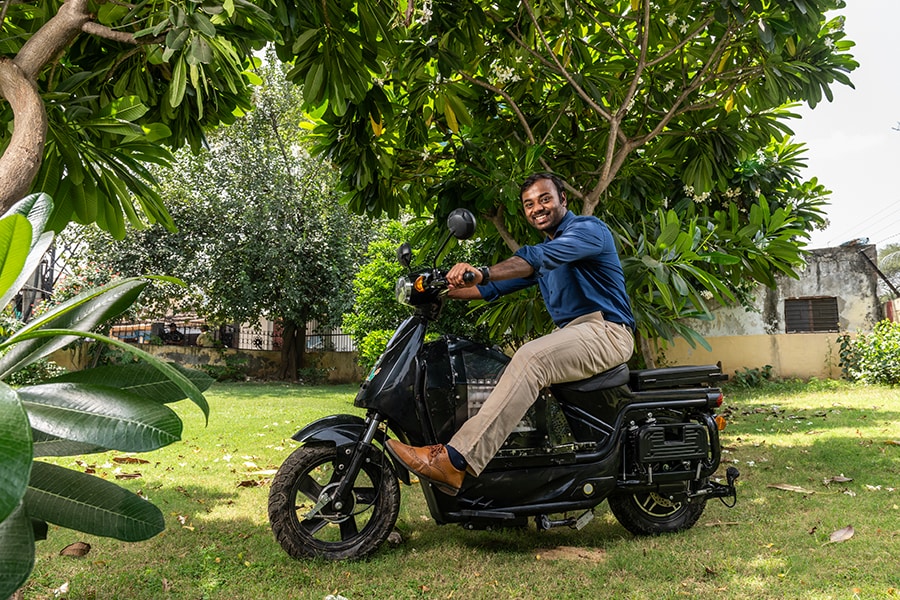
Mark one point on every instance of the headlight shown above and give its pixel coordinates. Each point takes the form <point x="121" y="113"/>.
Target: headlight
<point x="403" y="290"/>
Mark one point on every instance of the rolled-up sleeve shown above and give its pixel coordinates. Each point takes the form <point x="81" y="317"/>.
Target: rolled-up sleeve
<point x="494" y="289"/>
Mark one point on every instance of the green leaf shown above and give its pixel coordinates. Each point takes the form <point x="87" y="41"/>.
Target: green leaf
<point x="45" y="444"/>
<point x="77" y="316"/>
<point x="201" y="23"/>
<point x="185" y="384"/>
<point x="176" y="39"/>
<point x="16" y="551"/>
<point x="89" y="504"/>
<point x="178" y="84"/>
<point x="669" y="234"/>
<point x="15" y="242"/>
<point x="720" y="258"/>
<point x="100" y="415"/>
<point x="37" y="208"/>
<point x="15" y="450"/>
<point x="139" y="379"/>
<point x="128" y="108"/>
<point x="200" y="52"/>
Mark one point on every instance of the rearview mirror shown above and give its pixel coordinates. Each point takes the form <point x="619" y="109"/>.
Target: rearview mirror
<point x="404" y="255"/>
<point x="461" y="224"/>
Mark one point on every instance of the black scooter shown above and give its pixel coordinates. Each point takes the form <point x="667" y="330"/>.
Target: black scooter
<point x="646" y="441"/>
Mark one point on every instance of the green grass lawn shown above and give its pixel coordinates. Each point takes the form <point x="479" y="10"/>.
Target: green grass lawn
<point x="831" y="449"/>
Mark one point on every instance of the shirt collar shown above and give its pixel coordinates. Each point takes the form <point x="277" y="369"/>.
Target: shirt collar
<point x="564" y="222"/>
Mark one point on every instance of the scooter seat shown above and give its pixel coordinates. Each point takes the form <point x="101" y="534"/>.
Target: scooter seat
<point x="610" y="378"/>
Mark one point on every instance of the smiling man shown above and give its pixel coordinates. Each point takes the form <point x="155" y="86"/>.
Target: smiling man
<point x="581" y="280"/>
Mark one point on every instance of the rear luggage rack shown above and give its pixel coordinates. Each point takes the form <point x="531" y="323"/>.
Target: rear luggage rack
<point x="674" y="377"/>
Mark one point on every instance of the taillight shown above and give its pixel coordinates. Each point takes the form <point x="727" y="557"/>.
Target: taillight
<point x="714" y="399"/>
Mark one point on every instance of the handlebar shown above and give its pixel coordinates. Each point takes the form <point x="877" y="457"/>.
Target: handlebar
<point x="469" y="276"/>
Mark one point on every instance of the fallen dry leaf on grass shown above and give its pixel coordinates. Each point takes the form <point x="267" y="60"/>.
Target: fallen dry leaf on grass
<point x="841" y="535"/>
<point x="130" y="460"/>
<point x="572" y="553"/>
<point x="78" y="549"/>
<point x="790" y="488"/>
<point x="253" y="483"/>
<point x="838" y="479"/>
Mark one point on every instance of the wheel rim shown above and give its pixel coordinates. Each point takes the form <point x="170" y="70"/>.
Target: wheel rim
<point x="330" y="526"/>
<point x="655" y="506"/>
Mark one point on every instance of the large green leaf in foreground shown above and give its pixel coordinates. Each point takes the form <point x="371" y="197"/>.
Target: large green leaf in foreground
<point x="90" y="504"/>
<point x="15" y="451"/>
<point x="140" y="379"/>
<point x="101" y="415"/>
<point x="16" y="551"/>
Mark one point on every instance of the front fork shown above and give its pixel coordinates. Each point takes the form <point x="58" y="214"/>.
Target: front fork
<point x="357" y="454"/>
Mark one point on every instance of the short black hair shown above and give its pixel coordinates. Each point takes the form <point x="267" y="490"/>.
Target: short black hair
<point x="535" y="177"/>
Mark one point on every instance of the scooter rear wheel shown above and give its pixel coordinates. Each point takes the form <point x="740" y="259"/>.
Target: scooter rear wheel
<point x="648" y="513"/>
<point x="304" y="517"/>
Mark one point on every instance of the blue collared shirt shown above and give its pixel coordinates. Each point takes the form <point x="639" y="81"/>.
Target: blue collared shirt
<point x="578" y="271"/>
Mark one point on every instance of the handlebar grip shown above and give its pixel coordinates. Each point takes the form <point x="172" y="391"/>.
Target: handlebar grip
<point x="469" y="276"/>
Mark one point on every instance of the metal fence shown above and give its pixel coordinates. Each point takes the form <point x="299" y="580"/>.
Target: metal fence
<point x="264" y="336"/>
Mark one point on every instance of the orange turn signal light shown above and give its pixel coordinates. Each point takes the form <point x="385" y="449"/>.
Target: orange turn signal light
<point x="420" y="283"/>
<point x="720" y="422"/>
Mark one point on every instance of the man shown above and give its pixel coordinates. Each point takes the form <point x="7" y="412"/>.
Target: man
<point x="583" y="286"/>
<point x="172" y="335"/>
<point x="205" y="338"/>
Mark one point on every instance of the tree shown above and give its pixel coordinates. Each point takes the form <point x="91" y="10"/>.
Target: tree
<point x="375" y="312"/>
<point x="98" y="90"/>
<point x="120" y="408"/>
<point x="660" y="116"/>
<point x="261" y="231"/>
<point x="889" y="265"/>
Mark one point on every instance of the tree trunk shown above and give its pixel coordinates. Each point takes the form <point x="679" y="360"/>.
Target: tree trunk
<point x="292" y="346"/>
<point x="21" y="161"/>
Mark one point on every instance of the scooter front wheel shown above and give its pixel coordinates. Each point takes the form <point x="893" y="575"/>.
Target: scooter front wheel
<point x="309" y="522"/>
<point x="648" y="513"/>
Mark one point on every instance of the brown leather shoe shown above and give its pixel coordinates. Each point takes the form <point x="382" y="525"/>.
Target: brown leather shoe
<point x="431" y="463"/>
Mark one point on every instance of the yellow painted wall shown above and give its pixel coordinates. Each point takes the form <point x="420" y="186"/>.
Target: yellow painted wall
<point x="801" y="355"/>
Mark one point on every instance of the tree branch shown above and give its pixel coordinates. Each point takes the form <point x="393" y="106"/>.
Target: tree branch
<point x="102" y="31"/>
<point x="562" y="70"/>
<point x="512" y="103"/>
<point x="500" y="223"/>
<point x="21" y="160"/>
<point x="48" y="41"/>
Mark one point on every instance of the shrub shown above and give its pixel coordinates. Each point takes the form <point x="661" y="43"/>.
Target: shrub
<point x="872" y="357"/>
<point x="752" y="377"/>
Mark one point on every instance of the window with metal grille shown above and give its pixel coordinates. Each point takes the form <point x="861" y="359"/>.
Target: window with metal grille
<point x="804" y="315"/>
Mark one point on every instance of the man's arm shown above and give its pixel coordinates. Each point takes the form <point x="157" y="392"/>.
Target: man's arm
<point x="511" y="268"/>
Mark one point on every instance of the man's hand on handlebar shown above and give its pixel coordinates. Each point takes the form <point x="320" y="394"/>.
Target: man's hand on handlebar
<point x="463" y="275"/>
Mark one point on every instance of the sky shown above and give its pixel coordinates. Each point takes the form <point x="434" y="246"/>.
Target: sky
<point x="853" y="146"/>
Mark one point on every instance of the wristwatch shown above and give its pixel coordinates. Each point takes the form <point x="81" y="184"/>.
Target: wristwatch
<point x="485" y="274"/>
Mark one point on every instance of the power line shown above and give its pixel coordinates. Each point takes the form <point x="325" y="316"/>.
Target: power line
<point x="878" y="216"/>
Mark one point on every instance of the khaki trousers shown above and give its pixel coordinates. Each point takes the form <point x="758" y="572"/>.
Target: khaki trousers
<point x="586" y="346"/>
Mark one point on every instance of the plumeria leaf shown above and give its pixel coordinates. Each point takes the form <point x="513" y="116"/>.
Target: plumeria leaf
<point x="16" y="551"/>
<point x="15" y="451"/>
<point x="89" y="504"/>
<point x="101" y="415"/>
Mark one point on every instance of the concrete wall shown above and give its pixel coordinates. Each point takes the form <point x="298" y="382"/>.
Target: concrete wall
<point x="800" y="355"/>
<point x="341" y="367"/>
<point x="754" y="338"/>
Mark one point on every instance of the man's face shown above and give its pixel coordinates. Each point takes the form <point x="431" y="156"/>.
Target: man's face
<point x="544" y="209"/>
